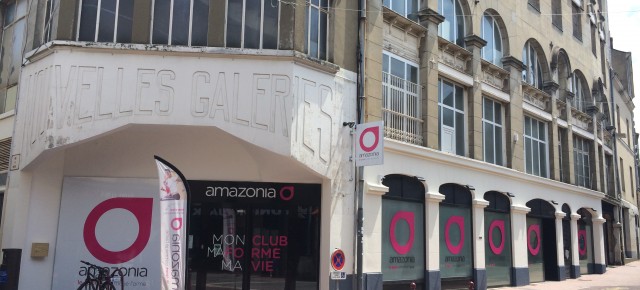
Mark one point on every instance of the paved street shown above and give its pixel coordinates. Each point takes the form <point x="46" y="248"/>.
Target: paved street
<point x="619" y="278"/>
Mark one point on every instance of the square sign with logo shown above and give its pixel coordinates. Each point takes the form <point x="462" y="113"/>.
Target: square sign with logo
<point x="370" y="144"/>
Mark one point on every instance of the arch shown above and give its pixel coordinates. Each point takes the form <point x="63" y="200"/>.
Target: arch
<point x="541" y="208"/>
<point x="498" y="201"/>
<point x="536" y="65"/>
<point x="455" y="194"/>
<point x="561" y="64"/>
<point x="566" y="209"/>
<point x="597" y="90"/>
<point x="404" y="186"/>
<point x="454" y="11"/>
<point x="497" y="22"/>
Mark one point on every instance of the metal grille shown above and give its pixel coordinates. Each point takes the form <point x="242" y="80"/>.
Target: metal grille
<point x="401" y="109"/>
<point x="5" y="151"/>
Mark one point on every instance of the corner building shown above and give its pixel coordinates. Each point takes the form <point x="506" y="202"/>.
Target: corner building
<point x="499" y="142"/>
<point x="246" y="98"/>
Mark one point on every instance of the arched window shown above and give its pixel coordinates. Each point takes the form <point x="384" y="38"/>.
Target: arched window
<point x="452" y="29"/>
<point x="580" y="89"/>
<point x="532" y="74"/>
<point x="492" y="52"/>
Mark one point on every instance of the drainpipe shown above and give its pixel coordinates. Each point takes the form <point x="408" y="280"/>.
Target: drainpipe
<point x="362" y="22"/>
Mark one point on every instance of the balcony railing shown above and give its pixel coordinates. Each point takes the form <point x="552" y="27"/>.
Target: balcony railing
<point x="401" y="109"/>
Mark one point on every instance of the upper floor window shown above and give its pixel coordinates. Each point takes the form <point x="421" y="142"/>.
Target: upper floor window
<point x="180" y="22"/>
<point x="581" y="161"/>
<point x="451" y="117"/>
<point x="452" y="29"/>
<point x="106" y="20"/>
<point x="556" y="13"/>
<point x="492" y="52"/>
<point x="401" y="100"/>
<point x="535" y="4"/>
<point x="14" y="29"/>
<point x="252" y="24"/>
<point x="406" y="8"/>
<point x="492" y="131"/>
<point x="580" y="100"/>
<point x="317" y="26"/>
<point x="535" y="147"/>
<point x="48" y="16"/>
<point x="576" y="11"/>
<point x="532" y="74"/>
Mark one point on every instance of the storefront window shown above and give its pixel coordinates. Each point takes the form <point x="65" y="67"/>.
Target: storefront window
<point x="254" y="235"/>
<point x="535" y="249"/>
<point x="497" y="225"/>
<point x="585" y="242"/>
<point x="456" y="256"/>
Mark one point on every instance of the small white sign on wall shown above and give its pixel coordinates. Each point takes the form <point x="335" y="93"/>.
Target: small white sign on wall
<point x="370" y="144"/>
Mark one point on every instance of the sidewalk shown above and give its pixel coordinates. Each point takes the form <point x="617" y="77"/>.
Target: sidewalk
<point x="619" y="278"/>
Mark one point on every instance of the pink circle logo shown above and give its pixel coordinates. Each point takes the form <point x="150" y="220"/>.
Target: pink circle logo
<point x="141" y="208"/>
<point x="459" y="220"/>
<point x="582" y="242"/>
<point x="285" y="189"/>
<point x="536" y="230"/>
<point x="500" y="225"/>
<point x="408" y="217"/>
<point x="376" y="135"/>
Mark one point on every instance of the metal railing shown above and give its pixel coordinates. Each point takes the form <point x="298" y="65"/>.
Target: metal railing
<point x="401" y="109"/>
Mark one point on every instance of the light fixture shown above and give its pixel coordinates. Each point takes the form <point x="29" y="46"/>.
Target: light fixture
<point x="470" y="187"/>
<point x="509" y="194"/>
<point x="350" y="124"/>
<point x="554" y="202"/>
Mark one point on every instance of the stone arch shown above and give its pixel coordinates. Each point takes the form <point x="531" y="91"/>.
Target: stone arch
<point x="580" y="79"/>
<point x="542" y="59"/>
<point x="405" y="186"/>
<point x="562" y="66"/>
<point x="504" y="34"/>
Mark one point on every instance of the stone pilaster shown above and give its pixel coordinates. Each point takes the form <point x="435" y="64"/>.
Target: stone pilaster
<point x="475" y="44"/>
<point x="514" y="117"/>
<point x="520" y="268"/>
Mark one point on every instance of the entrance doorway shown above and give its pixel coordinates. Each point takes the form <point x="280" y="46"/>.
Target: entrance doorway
<point x="541" y="242"/>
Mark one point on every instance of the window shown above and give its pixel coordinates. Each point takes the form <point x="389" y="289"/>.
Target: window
<point x="14" y="27"/>
<point x="556" y="16"/>
<point x="401" y="100"/>
<point x="452" y="29"/>
<point x="492" y="131"/>
<point x="581" y="161"/>
<point x="451" y="117"/>
<point x="535" y="147"/>
<point x="492" y="52"/>
<point x="577" y="21"/>
<point x="317" y="27"/>
<point x="252" y="24"/>
<point x="631" y="181"/>
<point x="622" y="174"/>
<point x="535" y="4"/>
<point x="628" y="133"/>
<point x="608" y="169"/>
<point x="532" y="74"/>
<point x="406" y="8"/>
<point x="180" y="22"/>
<point x="105" y="20"/>
<point x="48" y="16"/>
<point x="579" y="100"/>
<point x="562" y="135"/>
<point x="593" y="40"/>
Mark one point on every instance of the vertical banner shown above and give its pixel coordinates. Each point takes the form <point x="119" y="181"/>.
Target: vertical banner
<point x="173" y="226"/>
<point x="370" y="144"/>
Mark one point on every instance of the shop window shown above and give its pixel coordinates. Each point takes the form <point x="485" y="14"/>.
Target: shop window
<point x="585" y="242"/>
<point x="581" y="148"/>
<point x="252" y="24"/>
<point x="492" y="131"/>
<point x="267" y="239"/>
<point x="492" y="52"/>
<point x="316" y="43"/>
<point x="541" y="241"/>
<point x="401" y="100"/>
<point x="406" y="8"/>
<point x="497" y="225"/>
<point x="403" y="238"/>
<point x="532" y="74"/>
<point x="180" y="22"/>
<point x="456" y="254"/>
<point x="535" y="147"/>
<point x="453" y="27"/>
<point x="451" y="117"/>
<point x="106" y="20"/>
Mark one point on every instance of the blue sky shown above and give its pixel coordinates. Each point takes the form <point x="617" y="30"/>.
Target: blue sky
<point x="624" y="25"/>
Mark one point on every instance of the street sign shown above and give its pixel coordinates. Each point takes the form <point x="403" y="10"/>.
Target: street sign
<point x="338" y="275"/>
<point x="338" y="260"/>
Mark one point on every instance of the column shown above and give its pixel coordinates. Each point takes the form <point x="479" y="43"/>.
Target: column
<point x="432" y="243"/>
<point x="514" y="117"/>
<point x="598" y="246"/>
<point x="520" y="270"/>
<point x="551" y="88"/>
<point x="479" y="241"/>
<point x="575" y="255"/>
<point x="560" y="246"/>
<point x="429" y="52"/>
<point x="475" y="44"/>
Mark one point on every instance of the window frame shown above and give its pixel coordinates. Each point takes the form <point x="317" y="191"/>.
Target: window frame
<point x="493" y="124"/>
<point x="455" y="86"/>
<point x="576" y="12"/>
<point x="459" y="36"/>
<point x="308" y="15"/>
<point x="532" y="73"/>
<point x="406" y="13"/>
<point x="581" y="161"/>
<point x="415" y="113"/>
<point x="492" y="41"/>
<point x="538" y="142"/>
<point x="114" y="39"/>
<point x="556" y="14"/>
<point x="243" y="25"/>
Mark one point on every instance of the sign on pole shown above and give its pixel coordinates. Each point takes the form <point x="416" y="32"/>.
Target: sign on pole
<point x="370" y="144"/>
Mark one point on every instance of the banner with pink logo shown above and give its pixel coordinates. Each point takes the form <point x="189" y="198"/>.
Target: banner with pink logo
<point x="173" y="226"/>
<point x="110" y="222"/>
